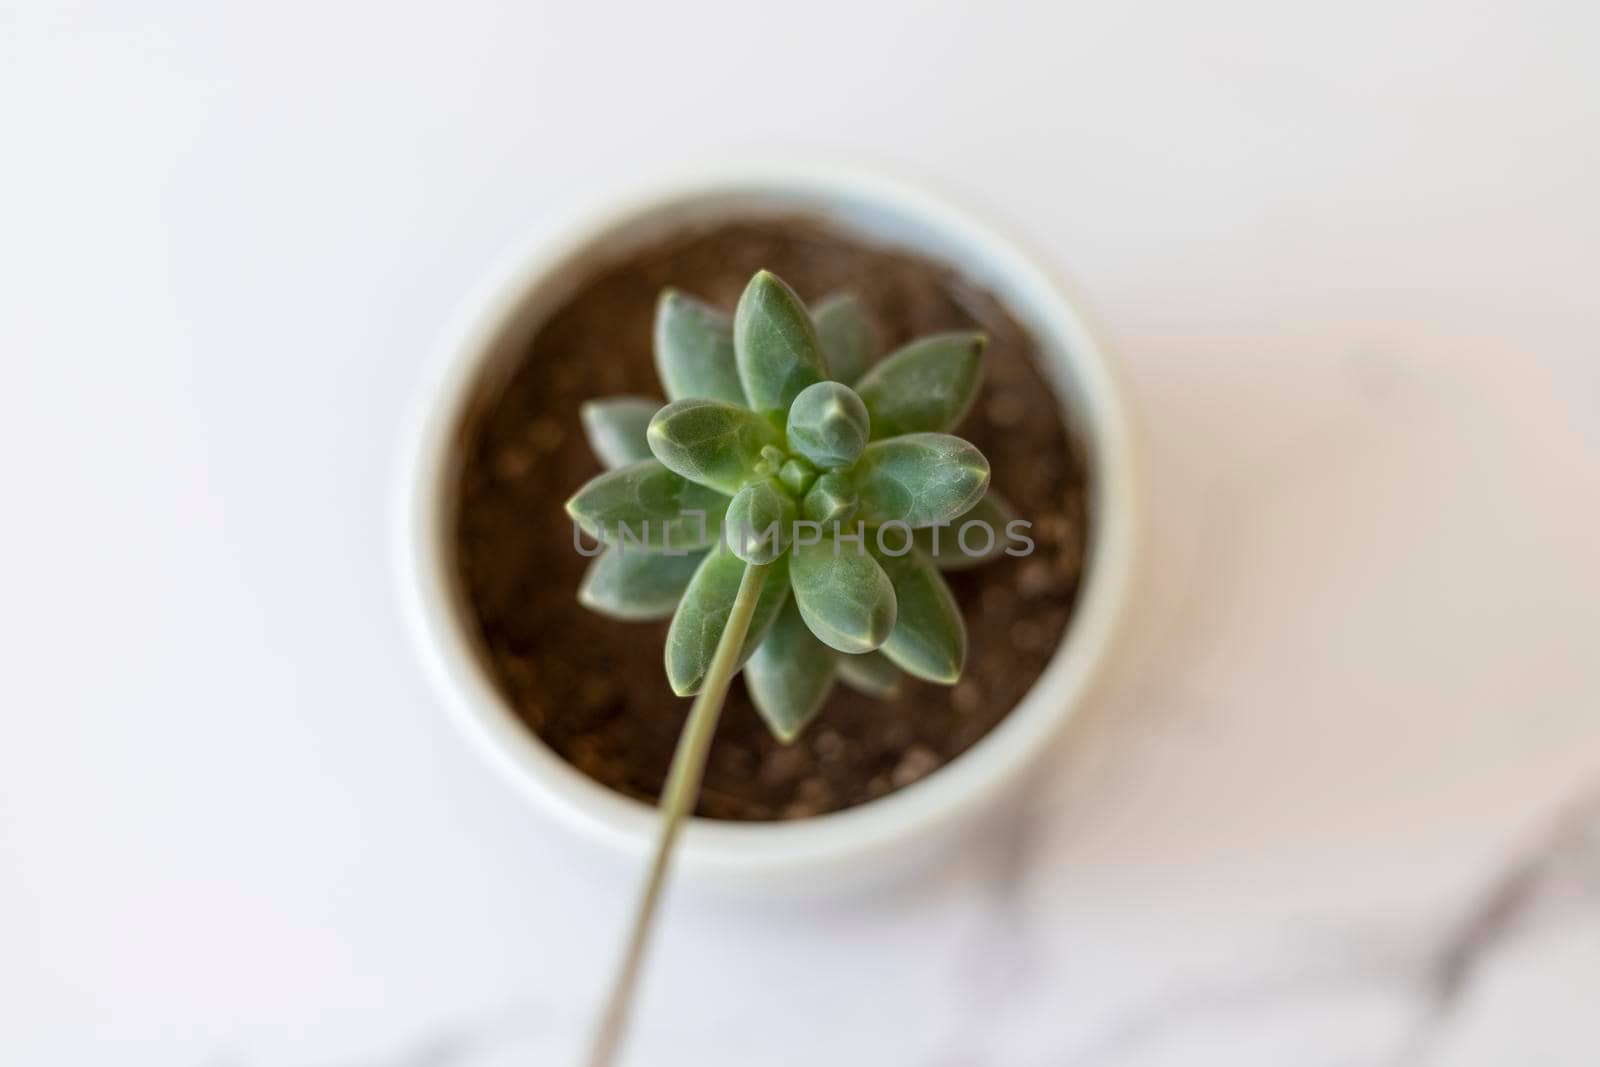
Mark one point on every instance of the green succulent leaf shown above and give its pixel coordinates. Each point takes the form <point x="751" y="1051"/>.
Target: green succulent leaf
<point x="702" y="615"/>
<point x="843" y="594"/>
<point x="694" y="350"/>
<point x="845" y="333"/>
<point x="992" y="511"/>
<point x="870" y="674"/>
<point x="790" y="675"/>
<point x="797" y="475"/>
<point x="680" y="514"/>
<point x="711" y="442"/>
<point x="919" y="479"/>
<point x="828" y="425"/>
<point x="925" y="387"/>
<point x="929" y="640"/>
<point x="775" y="345"/>
<point x="832" y="498"/>
<point x="636" y="586"/>
<point x="760" y="522"/>
<point x="615" y="429"/>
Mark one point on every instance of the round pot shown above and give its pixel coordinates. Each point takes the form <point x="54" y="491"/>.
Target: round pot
<point x="883" y="835"/>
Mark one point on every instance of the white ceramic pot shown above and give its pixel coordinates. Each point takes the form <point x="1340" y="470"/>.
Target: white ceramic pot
<point x="883" y="835"/>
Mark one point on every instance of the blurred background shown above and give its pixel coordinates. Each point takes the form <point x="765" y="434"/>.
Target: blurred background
<point x="1340" y="804"/>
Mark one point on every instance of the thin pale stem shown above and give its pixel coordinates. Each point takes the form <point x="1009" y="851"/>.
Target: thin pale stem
<point x="677" y="798"/>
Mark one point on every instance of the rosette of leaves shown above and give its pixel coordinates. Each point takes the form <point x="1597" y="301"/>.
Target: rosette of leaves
<point x="777" y="414"/>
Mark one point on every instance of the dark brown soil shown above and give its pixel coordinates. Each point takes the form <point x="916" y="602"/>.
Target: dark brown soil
<point x="595" y="690"/>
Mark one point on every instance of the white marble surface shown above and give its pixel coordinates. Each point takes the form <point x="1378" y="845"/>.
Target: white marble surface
<point x="1342" y="806"/>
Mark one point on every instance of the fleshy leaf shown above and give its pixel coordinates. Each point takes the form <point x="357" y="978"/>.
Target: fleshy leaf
<point x="711" y="442"/>
<point x="869" y="673"/>
<point x="846" y="336"/>
<point x="775" y="345"/>
<point x="643" y="493"/>
<point x="828" y="425"/>
<point x="919" y="479"/>
<point x="637" y="586"/>
<point x="694" y="350"/>
<point x="929" y="640"/>
<point x="702" y="615"/>
<point x="832" y="498"/>
<point x="760" y="522"/>
<point x="615" y="428"/>
<point x="843" y="595"/>
<point x="790" y="675"/>
<point x="797" y="475"/>
<point x="925" y="387"/>
<point x="949" y="555"/>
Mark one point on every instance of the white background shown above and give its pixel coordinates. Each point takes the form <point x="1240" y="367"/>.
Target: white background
<point x="1349" y="255"/>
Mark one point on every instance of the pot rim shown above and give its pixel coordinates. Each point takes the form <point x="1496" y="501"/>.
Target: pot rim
<point x="715" y="849"/>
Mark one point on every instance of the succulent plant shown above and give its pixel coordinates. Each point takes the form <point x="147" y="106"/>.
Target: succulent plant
<point x="784" y="509"/>
<point x="784" y="446"/>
